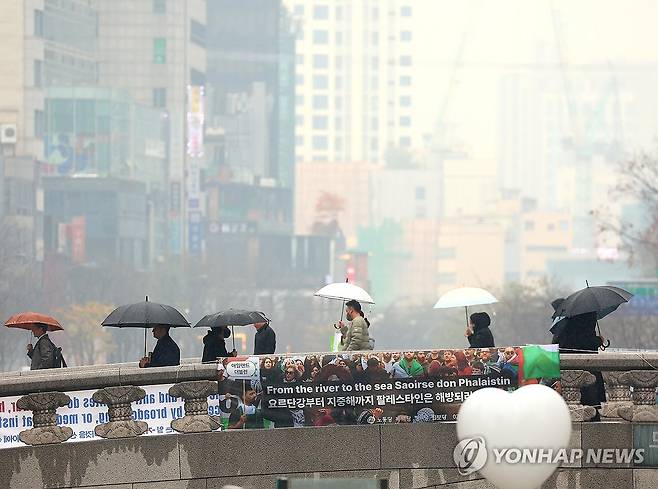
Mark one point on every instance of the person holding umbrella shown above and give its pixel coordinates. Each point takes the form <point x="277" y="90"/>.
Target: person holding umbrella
<point x="575" y="324"/>
<point x="214" y="346"/>
<point x="42" y="353"/>
<point x="166" y="352"/>
<point x="355" y="337"/>
<point x="478" y="333"/>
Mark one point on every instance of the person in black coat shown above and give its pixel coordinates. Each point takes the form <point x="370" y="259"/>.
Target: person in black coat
<point x="214" y="345"/>
<point x="577" y="334"/>
<point x="264" y="340"/>
<point x="478" y="333"/>
<point x="166" y="352"/>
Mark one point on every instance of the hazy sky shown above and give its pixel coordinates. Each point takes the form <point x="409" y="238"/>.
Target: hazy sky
<point x="497" y="34"/>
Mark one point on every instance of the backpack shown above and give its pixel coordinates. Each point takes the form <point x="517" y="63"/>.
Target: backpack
<point x="58" y="358"/>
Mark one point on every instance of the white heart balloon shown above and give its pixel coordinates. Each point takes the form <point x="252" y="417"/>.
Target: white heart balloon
<point x="532" y="417"/>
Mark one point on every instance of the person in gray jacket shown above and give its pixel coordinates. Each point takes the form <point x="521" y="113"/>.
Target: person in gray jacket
<point x="43" y="351"/>
<point x="355" y="337"/>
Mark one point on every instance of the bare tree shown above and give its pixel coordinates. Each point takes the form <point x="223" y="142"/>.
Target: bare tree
<point x="638" y="183"/>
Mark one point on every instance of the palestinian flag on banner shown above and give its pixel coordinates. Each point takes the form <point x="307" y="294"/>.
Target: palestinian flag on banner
<point x="539" y="362"/>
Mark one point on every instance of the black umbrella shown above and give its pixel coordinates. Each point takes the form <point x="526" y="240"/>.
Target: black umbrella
<point x="232" y="317"/>
<point x="601" y="299"/>
<point x="145" y="315"/>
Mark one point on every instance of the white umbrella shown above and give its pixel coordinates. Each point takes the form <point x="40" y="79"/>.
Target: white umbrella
<point x="344" y="291"/>
<point x="465" y="297"/>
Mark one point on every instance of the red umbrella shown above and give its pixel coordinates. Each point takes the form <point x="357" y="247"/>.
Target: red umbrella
<point x="25" y="320"/>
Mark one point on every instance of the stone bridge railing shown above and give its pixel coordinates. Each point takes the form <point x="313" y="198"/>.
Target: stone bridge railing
<point x="631" y="381"/>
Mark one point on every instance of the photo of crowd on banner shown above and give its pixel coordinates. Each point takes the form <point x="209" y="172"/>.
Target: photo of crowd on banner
<point x="363" y="388"/>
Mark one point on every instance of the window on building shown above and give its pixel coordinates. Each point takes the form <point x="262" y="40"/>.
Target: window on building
<point x="405" y="36"/>
<point x="299" y="79"/>
<point x="197" y="78"/>
<point x="564" y="225"/>
<point x="405" y="60"/>
<point x="320" y="82"/>
<point x="375" y="13"/>
<point x="321" y="12"/>
<point x="338" y="144"/>
<point x="338" y="62"/>
<point x="374" y="123"/>
<point x="320" y="122"/>
<point x="338" y="103"/>
<point x="374" y="144"/>
<point x="299" y="99"/>
<point x="298" y="10"/>
<point x="320" y="61"/>
<point x="299" y="140"/>
<point x="319" y="158"/>
<point x="299" y="59"/>
<point x="338" y="124"/>
<point x="320" y="36"/>
<point x="375" y="38"/>
<point x="375" y="62"/>
<point x="38" y="123"/>
<point x="339" y="83"/>
<point x="320" y="102"/>
<point x="159" y="97"/>
<point x="405" y="142"/>
<point x="529" y="225"/>
<point x="159" y="50"/>
<point x="339" y="38"/>
<point x="38" y="23"/>
<point x="320" y="142"/>
<point x="37" y="72"/>
<point x="405" y="101"/>
<point x="405" y="11"/>
<point x="159" y="6"/>
<point x="198" y="33"/>
<point x="299" y="120"/>
<point x="405" y="81"/>
<point x="339" y="13"/>
<point x="420" y="193"/>
<point x="405" y="121"/>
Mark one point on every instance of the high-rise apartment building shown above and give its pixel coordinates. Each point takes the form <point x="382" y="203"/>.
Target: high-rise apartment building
<point x="354" y="93"/>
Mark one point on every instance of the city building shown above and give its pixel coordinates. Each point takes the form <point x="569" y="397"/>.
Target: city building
<point x="97" y="220"/>
<point x="470" y="252"/>
<point x="101" y="132"/>
<point x="354" y="84"/>
<point x="250" y="92"/>
<point x="157" y="51"/>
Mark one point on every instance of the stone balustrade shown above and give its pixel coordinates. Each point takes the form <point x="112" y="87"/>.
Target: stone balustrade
<point x="118" y="387"/>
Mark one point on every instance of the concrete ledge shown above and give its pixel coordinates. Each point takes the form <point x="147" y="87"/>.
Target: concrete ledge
<point x="282" y="450"/>
<point x="406" y="446"/>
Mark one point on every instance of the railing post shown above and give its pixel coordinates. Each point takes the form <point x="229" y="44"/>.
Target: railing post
<point x="196" y="419"/>
<point x="44" y="406"/>
<point x="119" y="410"/>
<point x="643" y="409"/>
<point x="571" y="382"/>
<point x="618" y="395"/>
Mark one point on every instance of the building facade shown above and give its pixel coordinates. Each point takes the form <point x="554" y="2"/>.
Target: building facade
<point x="354" y="88"/>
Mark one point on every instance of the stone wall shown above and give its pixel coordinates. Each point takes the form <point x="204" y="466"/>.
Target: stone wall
<point x="409" y="456"/>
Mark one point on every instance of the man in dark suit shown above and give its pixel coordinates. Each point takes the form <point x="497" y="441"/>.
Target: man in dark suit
<point x="166" y="352"/>
<point x="43" y="352"/>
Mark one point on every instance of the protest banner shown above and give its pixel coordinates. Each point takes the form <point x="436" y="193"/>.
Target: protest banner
<point x="373" y="387"/>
